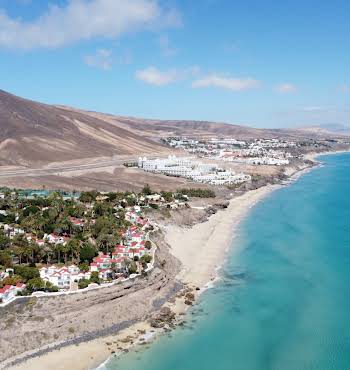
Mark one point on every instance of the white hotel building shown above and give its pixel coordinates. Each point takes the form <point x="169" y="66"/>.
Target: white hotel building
<point x="196" y="171"/>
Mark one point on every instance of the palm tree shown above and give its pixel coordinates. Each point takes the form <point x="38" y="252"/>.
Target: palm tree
<point x="34" y="248"/>
<point x="65" y="249"/>
<point x="47" y="252"/>
<point x="74" y="246"/>
<point x="58" y="250"/>
<point x="27" y="252"/>
<point x="19" y="253"/>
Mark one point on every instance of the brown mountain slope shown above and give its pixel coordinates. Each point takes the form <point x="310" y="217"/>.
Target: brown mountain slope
<point x="35" y="133"/>
<point x="162" y="128"/>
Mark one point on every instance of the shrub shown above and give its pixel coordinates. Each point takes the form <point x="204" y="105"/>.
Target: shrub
<point x="147" y="258"/>
<point x="11" y="280"/>
<point x="147" y="190"/>
<point x="94" y="277"/>
<point x="88" y="196"/>
<point x="133" y="268"/>
<point x="36" y="284"/>
<point x="84" y="266"/>
<point x="5" y="259"/>
<point x="197" y="193"/>
<point x="83" y="283"/>
<point x="26" y="272"/>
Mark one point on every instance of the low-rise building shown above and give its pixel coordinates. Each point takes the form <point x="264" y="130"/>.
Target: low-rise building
<point x="10" y="291"/>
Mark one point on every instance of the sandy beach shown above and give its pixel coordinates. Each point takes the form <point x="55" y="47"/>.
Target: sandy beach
<point x="88" y="355"/>
<point x="201" y="250"/>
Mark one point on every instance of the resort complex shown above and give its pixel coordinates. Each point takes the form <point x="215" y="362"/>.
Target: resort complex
<point x="272" y="152"/>
<point x="49" y="244"/>
<point x="192" y="169"/>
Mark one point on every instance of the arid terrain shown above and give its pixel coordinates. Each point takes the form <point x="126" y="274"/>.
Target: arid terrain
<point x="55" y="147"/>
<point x="101" y="312"/>
<point x="45" y="146"/>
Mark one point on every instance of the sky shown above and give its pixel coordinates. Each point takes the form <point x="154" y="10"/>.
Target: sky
<point x="262" y="63"/>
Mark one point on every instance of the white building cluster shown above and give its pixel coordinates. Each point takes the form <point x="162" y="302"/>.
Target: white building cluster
<point x="196" y="171"/>
<point x="226" y="142"/>
<point x="256" y="152"/>
<point x="274" y="143"/>
<point x="63" y="277"/>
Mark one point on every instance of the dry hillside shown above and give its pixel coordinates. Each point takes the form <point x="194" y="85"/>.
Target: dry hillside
<point x="36" y="134"/>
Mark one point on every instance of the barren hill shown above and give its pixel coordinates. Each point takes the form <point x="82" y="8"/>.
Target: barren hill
<point x="35" y="134"/>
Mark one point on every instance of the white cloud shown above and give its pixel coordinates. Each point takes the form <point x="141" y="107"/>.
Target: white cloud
<point x="102" y="59"/>
<point x="154" y="76"/>
<point x="229" y="83"/>
<point x="286" y="88"/>
<point x="84" y="20"/>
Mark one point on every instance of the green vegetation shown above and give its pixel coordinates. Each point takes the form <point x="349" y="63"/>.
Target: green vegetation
<point x="53" y="229"/>
<point x="27" y="273"/>
<point x="197" y="193"/>
<point x="41" y="216"/>
<point x="83" y="283"/>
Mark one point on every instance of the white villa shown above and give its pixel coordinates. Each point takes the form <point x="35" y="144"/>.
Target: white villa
<point x="63" y="277"/>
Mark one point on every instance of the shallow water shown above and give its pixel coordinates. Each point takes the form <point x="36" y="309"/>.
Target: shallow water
<point x="284" y="302"/>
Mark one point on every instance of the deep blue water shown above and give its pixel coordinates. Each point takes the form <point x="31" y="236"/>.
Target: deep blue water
<point x="284" y="302"/>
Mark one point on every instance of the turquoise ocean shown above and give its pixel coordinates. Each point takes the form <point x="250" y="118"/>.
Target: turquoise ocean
<point x="284" y="301"/>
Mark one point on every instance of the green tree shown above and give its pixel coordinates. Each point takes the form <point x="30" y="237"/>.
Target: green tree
<point x="106" y="242"/>
<point x="88" y="196"/>
<point x="35" y="284"/>
<point x="83" y="283"/>
<point x="27" y="273"/>
<point x="65" y="248"/>
<point x="84" y="266"/>
<point x="87" y="252"/>
<point x="75" y="248"/>
<point x="5" y="259"/>
<point x="95" y="278"/>
<point x="5" y="242"/>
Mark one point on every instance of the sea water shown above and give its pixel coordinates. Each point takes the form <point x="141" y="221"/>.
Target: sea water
<point x="284" y="301"/>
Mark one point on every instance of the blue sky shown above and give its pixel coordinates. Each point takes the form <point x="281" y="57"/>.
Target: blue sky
<point x="259" y="63"/>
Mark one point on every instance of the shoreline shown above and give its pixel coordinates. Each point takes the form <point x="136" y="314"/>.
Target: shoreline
<point x="215" y="235"/>
<point x="221" y="232"/>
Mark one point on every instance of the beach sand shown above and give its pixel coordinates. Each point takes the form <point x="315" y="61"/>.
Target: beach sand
<point x="201" y="250"/>
<point x="88" y="355"/>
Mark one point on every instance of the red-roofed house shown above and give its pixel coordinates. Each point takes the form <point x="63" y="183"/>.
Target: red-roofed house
<point x="10" y="291"/>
